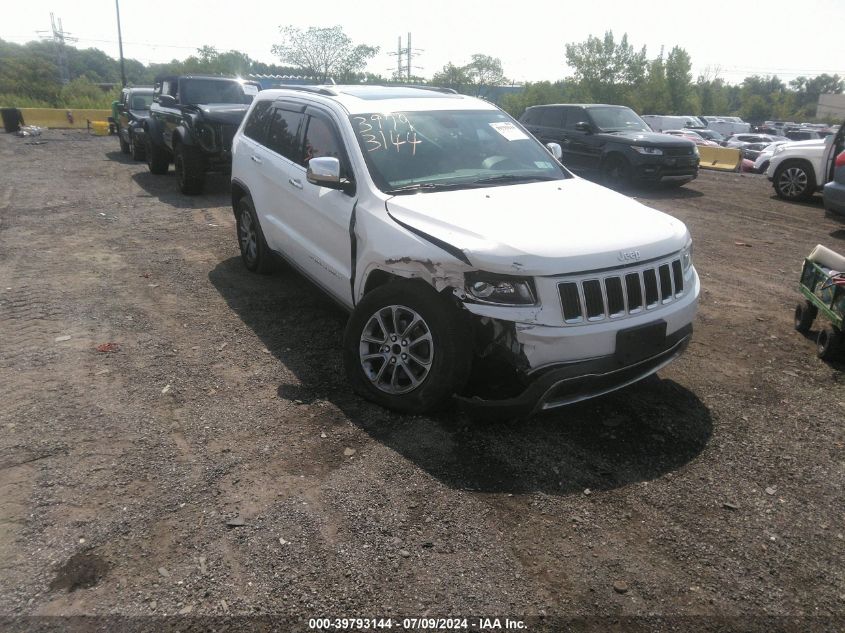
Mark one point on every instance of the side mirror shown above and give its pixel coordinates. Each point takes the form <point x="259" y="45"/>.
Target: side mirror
<point x="168" y="101"/>
<point x="554" y="148"/>
<point x="583" y="126"/>
<point x="324" y="171"/>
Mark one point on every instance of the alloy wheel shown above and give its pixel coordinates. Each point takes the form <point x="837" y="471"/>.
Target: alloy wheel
<point x="248" y="236"/>
<point x="793" y="182"/>
<point x="396" y="349"/>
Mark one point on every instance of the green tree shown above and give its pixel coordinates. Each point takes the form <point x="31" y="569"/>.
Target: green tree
<point x="451" y="76"/>
<point x="484" y="72"/>
<point x="679" y="81"/>
<point x="322" y="53"/>
<point x="608" y="71"/>
<point x="655" y="97"/>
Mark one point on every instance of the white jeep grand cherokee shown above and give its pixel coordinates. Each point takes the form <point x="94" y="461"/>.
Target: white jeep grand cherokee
<point x="474" y="265"/>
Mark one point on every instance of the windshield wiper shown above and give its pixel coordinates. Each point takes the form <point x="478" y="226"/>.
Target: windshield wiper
<point x="427" y="186"/>
<point x="511" y="178"/>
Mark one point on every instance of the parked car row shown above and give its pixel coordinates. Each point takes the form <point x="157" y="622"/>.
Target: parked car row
<point x="474" y="263"/>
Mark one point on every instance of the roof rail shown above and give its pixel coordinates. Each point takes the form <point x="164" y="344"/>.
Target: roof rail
<point x="426" y="87"/>
<point x="320" y="90"/>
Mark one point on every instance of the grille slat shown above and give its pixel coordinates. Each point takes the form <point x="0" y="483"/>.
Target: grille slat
<point x="593" y="298"/>
<point x="619" y="295"/>
<point x="571" y="301"/>
<point x="635" y="291"/>
<point x="650" y="281"/>
<point x="615" y="299"/>
<point x="678" y="274"/>
<point x="665" y="282"/>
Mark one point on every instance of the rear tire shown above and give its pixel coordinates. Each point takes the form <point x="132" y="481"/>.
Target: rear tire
<point x="407" y="348"/>
<point x="828" y="343"/>
<point x="805" y="314"/>
<point x="158" y="161"/>
<point x="255" y="253"/>
<point x="794" y="180"/>
<point x="190" y="169"/>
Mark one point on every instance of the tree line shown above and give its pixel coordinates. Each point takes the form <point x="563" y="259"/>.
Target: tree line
<point x="604" y="70"/>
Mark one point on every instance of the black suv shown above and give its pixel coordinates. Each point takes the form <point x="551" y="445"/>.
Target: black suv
<point x="133" y="110"/>
<point x="612" y="144"/>
<point x="192" y="122"/>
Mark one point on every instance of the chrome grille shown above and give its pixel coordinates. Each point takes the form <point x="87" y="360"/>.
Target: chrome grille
<point x="617" y="294"/>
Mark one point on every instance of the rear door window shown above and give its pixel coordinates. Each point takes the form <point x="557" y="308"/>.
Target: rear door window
<point x="256" y="125"/>
<point x="552" y="117"/>
<point x="283" y="136"/>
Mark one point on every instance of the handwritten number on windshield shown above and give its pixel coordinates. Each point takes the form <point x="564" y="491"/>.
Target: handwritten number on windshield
<point x="387" y="133"/>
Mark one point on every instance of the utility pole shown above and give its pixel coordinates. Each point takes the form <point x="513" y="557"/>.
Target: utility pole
<point x="409" y="56"/>
<point x="404" y="71"/>
<point x="59" y="38"/>
<point x="120" y="45"/>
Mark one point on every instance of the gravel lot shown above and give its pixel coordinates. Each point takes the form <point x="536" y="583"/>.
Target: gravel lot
<point x="715" y="490"/>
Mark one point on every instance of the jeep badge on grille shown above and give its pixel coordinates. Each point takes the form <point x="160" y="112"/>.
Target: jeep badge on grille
<point x="629" y="256"/>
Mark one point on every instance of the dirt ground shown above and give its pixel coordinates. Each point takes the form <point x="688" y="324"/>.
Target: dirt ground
<point x="713" y="491"/>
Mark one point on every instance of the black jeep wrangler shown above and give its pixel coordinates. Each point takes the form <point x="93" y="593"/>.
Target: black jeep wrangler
<point x="191" y="124"/>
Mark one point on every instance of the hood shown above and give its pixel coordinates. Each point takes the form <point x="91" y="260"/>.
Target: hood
<point x="226" y="113"/>
<point x="543" y="228"/>
<point x="815" y="142"/>
<point x="646" y="138"/>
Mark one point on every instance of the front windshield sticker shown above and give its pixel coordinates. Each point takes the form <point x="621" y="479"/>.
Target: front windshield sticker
<point x="250" y="89"/>
<point x="542" y="164"/>
<point x="387" y="132"/>
<point x="509" y="131"/>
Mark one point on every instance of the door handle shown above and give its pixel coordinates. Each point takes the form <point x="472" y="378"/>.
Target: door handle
<point x="296" y="183"/>
<point x="255" y="159"/>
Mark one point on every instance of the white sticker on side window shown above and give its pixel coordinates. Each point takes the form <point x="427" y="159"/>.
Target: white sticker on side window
<point x="509" y="131"/>
<point x="541" y="164"/>
<point x="250" y="89"/>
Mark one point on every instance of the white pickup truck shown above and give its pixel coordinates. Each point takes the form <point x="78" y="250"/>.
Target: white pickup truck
<point x="472" y="262"/>
<point x="800" y="168"/>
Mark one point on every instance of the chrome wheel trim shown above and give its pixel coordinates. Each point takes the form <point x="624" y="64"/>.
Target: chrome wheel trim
<point x="248" y="236"/>
<point x="396" y="349"/>
<point x="793" y="181"/>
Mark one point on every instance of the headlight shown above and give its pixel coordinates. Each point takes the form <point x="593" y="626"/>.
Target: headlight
<point x="206" y="136"/>
<point x="653" y="151"/>
<point x="779" y="149"/>
<point x="686" y="256"/>
<point x="488" y="288"/>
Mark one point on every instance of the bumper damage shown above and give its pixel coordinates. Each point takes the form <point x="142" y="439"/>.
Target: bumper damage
<point x="572" y="382"/>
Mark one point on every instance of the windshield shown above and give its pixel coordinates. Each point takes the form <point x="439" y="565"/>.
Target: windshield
<point x="613" y="119"/>
<point x="204" y="91"/>
<point x="140" y="101"/>
<point x="433" y="150"/>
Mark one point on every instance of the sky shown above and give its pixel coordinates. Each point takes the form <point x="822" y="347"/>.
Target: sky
<point x="729" y="39"/>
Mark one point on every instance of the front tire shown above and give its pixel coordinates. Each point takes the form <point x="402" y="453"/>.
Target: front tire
<point x="158" y="161"/>
<point x="794" y="180"/>
<point x="190" y="169"/>
<point x="124" y="146"/>
<point x="616" y="172"/>
<point x="255" y="253"/>
<point x="136" y="149"/>
<point x="805" y="314"/>
<point x="406" y="347"/>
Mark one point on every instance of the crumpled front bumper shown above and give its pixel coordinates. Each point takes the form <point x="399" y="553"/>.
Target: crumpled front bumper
<point x="573" y="382"/>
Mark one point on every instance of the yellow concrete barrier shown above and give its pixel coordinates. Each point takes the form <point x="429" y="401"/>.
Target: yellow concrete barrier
<point x="720" y="158"/>
<point x="58" y="118"/>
